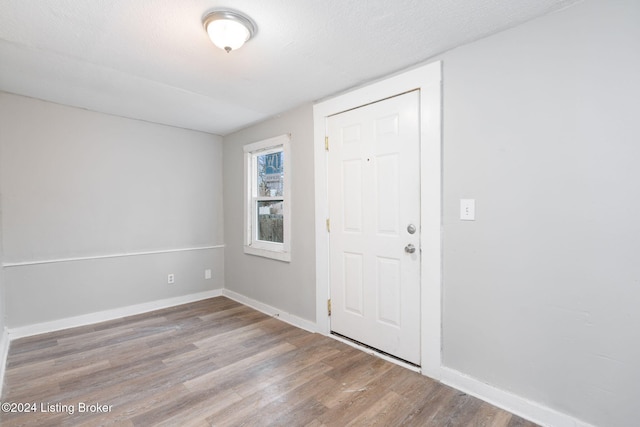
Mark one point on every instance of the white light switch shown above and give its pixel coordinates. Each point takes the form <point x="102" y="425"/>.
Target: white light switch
<point x="467" y="209"/>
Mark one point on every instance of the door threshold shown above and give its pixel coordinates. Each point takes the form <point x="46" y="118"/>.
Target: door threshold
<point x="375" y="352"/>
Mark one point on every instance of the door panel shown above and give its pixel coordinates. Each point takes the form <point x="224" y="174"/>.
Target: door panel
<point x="354" y="293"/>
<point x="387" y="192"/>
<point x="374" y="194"/>
<point x="352" y="204"/>
<point x="388" y="285"/>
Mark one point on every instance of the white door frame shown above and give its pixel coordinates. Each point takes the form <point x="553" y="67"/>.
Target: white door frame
<point x="428" y="79"/>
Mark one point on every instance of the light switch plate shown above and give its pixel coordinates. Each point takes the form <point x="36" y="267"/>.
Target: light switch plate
<point x="467" y="209"/>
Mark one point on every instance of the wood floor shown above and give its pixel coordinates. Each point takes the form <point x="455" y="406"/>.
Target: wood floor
<point x="217" y="362"/>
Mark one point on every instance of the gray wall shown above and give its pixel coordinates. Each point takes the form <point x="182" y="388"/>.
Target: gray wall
<point x="3" y="304"/>
<point x="76" y="184"/>
<point x="286" y="286"/>
<point x="542" y="291"/>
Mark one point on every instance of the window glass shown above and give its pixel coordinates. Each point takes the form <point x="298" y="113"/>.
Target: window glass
<point x="267" y="213"/>
<point x="270" y="174"/>
<point x="270" y="221"/>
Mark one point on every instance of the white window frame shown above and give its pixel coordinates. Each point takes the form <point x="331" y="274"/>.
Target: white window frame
<point x="253" y="246"/>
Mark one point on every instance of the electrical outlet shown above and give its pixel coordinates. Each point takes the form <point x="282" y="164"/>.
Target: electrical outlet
<point x="171" y="279"/>
<point x="207" y="273"/>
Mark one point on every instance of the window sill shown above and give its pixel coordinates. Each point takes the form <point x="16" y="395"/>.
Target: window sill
<point x="277" y="255"/>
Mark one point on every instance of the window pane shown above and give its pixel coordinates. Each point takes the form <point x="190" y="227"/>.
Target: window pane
<point x="270" y="221"/>
<point x="270" y="174"/>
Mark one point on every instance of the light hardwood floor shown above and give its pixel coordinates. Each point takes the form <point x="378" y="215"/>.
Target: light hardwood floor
<point x="217" y="362"/>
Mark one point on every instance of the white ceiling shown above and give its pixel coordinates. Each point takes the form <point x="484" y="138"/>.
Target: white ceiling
<point x="152" y="59"/>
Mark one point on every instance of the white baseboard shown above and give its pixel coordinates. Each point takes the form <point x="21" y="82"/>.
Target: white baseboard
<point x="299" y="322"/>
<point x="102" y="316"/>
<point x="4" y="352"/>
<point x="527" y="409"/>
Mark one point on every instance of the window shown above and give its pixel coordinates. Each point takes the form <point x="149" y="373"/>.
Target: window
<point x="267" y="198"/>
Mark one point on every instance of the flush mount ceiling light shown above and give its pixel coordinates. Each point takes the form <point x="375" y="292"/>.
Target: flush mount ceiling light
<point x="227" y="29"/>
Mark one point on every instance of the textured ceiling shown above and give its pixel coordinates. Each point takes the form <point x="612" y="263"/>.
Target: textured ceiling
<point x="152" y="59"/>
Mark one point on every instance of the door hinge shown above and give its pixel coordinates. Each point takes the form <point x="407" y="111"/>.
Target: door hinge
<point x="328" y="225"/>
<point x="326" y="143"/>
<point x="329" y="306"/>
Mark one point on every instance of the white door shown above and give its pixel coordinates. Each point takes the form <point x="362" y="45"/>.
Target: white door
<point x="374" y="243"/>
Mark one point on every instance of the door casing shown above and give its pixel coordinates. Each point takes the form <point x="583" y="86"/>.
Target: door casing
<point x="428" y="79"/>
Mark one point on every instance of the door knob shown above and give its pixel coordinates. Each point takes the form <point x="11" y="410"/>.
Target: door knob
<point x="411" y="228"/>
<point x="410" y="248"/>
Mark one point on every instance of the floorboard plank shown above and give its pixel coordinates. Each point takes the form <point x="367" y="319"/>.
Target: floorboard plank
<point x="216" y="362"/>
